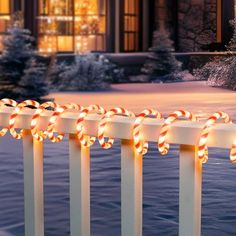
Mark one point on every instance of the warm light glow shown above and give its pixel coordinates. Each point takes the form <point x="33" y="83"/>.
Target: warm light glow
<point x="202" y="145"/>
<point x="72" y="22"/>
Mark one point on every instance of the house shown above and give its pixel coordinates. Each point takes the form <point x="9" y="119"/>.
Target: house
<point x="68" y="26"/>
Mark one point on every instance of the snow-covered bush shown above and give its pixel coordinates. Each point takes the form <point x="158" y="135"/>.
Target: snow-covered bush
<point x="221" y="72"/>
<point x="89" y="72"/>
<point x="55" y="74"/>
<point x="161" y="62"/>
<point x="33" y="85"/>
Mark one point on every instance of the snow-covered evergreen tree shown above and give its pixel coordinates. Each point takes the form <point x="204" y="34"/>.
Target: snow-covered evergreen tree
<point x="232" y="43"/>
<point x="161" y="61"/>
<point x="13" y="60"/>
<point x="33" y="83"/>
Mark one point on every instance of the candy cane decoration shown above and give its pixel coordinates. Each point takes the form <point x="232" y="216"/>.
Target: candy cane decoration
<point x="14" y="115"/>
<point x="202" y="144"/>
<point x="79" y="124"/>
<point x="53" y="120"/>
<point x="163" y="146"/>
<point x="142" y="146"/>
<point x="233" y="153"/>
<point x="40" y="135"/>
<point x="102" y="125"/>
<point x="4" y="102"/>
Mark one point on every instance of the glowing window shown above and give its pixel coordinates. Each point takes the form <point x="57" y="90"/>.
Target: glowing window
<point x="77" y="25"/>
<point x="131" y="25"/>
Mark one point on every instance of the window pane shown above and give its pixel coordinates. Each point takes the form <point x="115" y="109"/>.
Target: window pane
<point x="131" y="25"/>
<point x="4" y="7"/>
<point x="80" y="22"/>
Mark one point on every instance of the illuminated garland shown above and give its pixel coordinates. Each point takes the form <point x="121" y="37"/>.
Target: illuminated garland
<point x="14" y="115"/>
<point x="140" y="145"/>
<point x="53" y="120"/>
<point x="5" y="102"/>
<point x="40" y="135"/>
<point x="87" y="141"/>
<point x="163" y="146"/>
<point x="202" y="145"/>
<point x="105" y="119"/>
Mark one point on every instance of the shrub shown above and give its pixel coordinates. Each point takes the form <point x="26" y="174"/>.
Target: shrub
<point x="89" y="72"/>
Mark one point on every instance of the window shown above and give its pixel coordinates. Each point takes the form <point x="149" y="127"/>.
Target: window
<point x="131" y="25"/>
<point x="4" y="19"/>
<point x="72" y="25"/>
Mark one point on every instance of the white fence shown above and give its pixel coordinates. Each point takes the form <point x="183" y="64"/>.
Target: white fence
<point x="184" y="133"/>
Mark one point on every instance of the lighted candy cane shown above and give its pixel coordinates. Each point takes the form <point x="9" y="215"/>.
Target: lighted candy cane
<point x="14" y="115"/>
<point x="142" y="146"/>
<point x="53" y="120"/>
<point x="163" y="146"/>
<point x="102" y="125"/>
<point x="233" y="153"/>
<point x="80" y="128"/>
<point x="40" y="135"/>
<point x="202" y="144"/>
<point x="4" y="102"/>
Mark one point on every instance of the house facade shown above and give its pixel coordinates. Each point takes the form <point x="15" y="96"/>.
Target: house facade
<point x="69" y="26"/>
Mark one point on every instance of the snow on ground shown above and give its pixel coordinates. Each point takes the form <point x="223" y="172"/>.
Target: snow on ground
<point x="194" y="96"/>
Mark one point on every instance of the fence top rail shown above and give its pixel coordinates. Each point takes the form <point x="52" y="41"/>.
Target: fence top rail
<point x="181" y="132"/>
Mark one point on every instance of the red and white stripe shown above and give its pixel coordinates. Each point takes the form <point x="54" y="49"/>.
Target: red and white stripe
<point x="14" y="115"/>
<point x="54" y="118"/>
<point x="6" y="102"/>
<point x="103" y="122"/>
<point x="84" y="140"/>
<point x="202" y="144"/>
<point x="40" y="135"/>
<point x="233" y="153"/>
<point x="163" y="146"/>
<point x="140" y="145"/>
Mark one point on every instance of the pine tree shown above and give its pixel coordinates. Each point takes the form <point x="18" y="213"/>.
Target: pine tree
<point x="161" y="61"/>
<point x="232" y="43"/>
<point x="15" y="56"/>
<point x="33" y="84"/>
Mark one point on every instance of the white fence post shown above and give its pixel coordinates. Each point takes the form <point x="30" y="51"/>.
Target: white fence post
<point x="190" y="192"/>
<point x="131" y="190"/>
<point x="79" y="188"/>
<point x="33" y="186"/>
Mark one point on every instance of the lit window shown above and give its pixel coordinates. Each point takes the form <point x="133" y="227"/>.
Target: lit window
<point x="72" y="25"/>
<point x="131" y="25"/>
<point x="4" y="19"/>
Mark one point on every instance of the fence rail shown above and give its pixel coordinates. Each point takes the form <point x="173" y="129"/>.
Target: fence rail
<point x="184" y="133"/>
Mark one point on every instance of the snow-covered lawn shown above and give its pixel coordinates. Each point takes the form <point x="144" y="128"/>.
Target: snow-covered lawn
<point x="194" y="96"/>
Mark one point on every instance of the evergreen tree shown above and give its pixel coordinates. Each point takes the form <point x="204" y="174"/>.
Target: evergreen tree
<point x="161" y="61"/>
<point x="15" y="56"/>
<point x="33" y="84"/>
<point x="232" y="43"/>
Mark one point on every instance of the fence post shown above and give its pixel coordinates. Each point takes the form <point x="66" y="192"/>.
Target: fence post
<point x="33" y="185"/>
<point x="131" y="190"/>
<point x="79" y="188"/>
<point x="190" y="192"/>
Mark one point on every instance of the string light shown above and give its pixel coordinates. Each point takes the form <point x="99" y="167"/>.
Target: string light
<point x="202" y="144"/>
<point x="40" y="135"/>
<point x="163" y="146"/>
<point x="53" y="120"/>
<point x="142" y="146"/>
<point x="85" y="141"/>
<point x="14" y="115"/>
<point x="5" y="102"/>
<point x="105" y="119"/>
